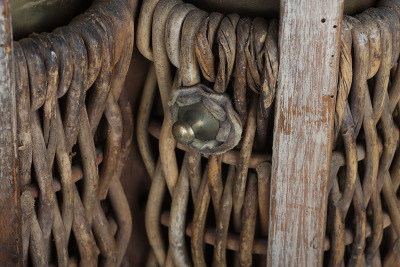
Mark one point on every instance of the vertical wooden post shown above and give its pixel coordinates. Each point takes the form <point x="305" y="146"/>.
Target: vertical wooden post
<point x="10" y="231"/>
<point x="309" y="53"/>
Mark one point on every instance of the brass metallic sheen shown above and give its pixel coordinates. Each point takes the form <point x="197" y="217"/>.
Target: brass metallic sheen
<point x="183" y="133"/>
<point x="195" y="121"/>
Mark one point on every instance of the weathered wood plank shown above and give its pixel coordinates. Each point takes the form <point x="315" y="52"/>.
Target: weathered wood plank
<point x="309" y="53"/>
<point x="10" y="241"/>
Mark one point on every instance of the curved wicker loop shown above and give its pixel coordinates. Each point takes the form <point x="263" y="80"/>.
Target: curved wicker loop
<point x="268" y="87"/>
<point x="254" y="51"/>
<point x="226" y="39"/>
<point x="374" y="40"/>
<point x="58" y="73"/>
<point x="23" y="116"/>
<point x="143" y="118"/>
<point x="51" y="65"/>
<point x="36" y="72"/>
<point x="270" y="70"/>
<point x="143" y="39"/>
<point x="204" y="45"/>
<point x="101" y="87"/>
<point x="240" y="82"/>
<point x="393" y="92"/>
<point x="65" y="67"/>
<point x="76" y="93"/>
<point x="360" y="71"/>
<point x="161" y="63"/>
<point x="345" y="75"/>
<point x="391" y="16"/>
<point x="173" y="31"/>
<point x="187" y="57"/>
<point x="365" y="163"/>
<point x="383" y="74"/>
<point x="167" y="147"/>
<point x="93" y="44"/>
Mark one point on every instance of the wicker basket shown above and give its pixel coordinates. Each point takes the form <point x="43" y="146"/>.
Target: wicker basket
<point x="238" y="56"/>
<point x="70" y="87"/>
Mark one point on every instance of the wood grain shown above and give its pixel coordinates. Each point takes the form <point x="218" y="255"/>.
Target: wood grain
<point x="309" y="50"/>
<point x="10" y="245"/>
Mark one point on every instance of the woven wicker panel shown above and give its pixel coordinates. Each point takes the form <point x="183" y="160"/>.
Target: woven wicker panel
<point x="222" y="200"/>
<point x="70" y="100"/>
<point x="365" y="164"/>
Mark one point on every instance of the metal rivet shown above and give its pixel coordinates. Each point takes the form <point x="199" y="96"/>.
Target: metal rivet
<point x="183" y="133"/>
<point x="195" y="122"/>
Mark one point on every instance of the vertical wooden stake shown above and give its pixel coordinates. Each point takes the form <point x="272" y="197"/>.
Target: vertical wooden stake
<point x="309" y="53"/>
<point x="10" y="235"/>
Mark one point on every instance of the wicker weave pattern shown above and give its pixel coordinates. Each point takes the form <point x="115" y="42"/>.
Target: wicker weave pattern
<point x="368" y="95"/>
<point x="233" y="192"/>
<point x="66" y="81"/>
<point x="230" y="194"/>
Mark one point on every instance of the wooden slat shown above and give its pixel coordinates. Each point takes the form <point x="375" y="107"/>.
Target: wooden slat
<point x="10" y="241"/>
<point x="309" y="49"/>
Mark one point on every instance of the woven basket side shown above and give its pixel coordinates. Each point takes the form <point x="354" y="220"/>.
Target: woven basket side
<point x="67" y="81"/>
<point x="225" y="202"/>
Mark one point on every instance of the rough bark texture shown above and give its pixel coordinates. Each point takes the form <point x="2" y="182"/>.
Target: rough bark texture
<point x="309" y="52"/>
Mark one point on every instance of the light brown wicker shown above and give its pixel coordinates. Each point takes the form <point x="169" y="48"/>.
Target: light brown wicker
<point x="74" y="210"/>
<point x="239" y="56"/>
